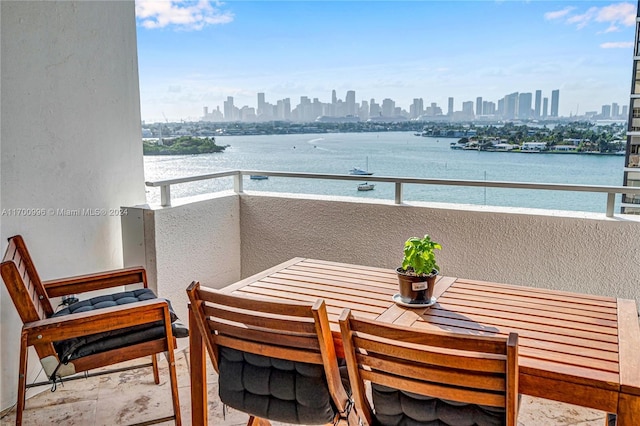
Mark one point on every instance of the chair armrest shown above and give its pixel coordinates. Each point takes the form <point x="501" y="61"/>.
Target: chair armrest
<point x="91" y="322"/>
<point x="97" y="281"/>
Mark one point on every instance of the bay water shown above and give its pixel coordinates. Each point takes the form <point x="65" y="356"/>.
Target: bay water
<point x="397" y="154"/>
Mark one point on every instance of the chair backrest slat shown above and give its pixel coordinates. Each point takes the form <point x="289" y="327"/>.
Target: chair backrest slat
<point x="468" y="369"/>
<point x="265" y="336"/>
<point x="25" y="288"/>
<point x="453" y="377"/>
<point x="281" y="352"/>
<point x="464" y="395"/>
<point x="474" y="361"/>
<point x="23" y="282"/>
<point x="486" y="344"/>
<point x="290" y="324"/>
<point x="251" y="304"/>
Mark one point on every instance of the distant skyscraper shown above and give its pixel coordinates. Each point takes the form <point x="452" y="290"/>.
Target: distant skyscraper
<point x="228" y="109"/>
<point x="536" y="111"/>
<point x="625" y="111"/>
<point x="364" y="111"/>
<point x="606" y="111"/>
<point x="450" y="108"/>
<point x="524" y="105"/>
<point x="388" y="107"/>
<point x="555" y="102"/>
<point x="261" y="103"/>
<point x="417" y="108"/>
<point x="334" y="97"/>
<point x="479" y="106"/>
<point x="615" y="110"/>
<point x="510" y="105"/>
<point x="545" y="107"/>
<point x="467" y="109"/>
<point x="374" y="108"/>
<point x="351" y="102"/>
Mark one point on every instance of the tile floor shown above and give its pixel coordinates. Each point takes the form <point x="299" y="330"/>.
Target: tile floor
<point x="131" y="397"/>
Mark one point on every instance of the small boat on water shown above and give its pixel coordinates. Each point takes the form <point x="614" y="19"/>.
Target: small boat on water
<point x="361" y="172"/>
<point x="258" y="177"/>
<point x="358" y="171"/>
<point x="366" y="186"/>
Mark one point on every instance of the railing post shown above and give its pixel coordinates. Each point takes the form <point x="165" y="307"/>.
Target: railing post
<point x="237" y="183"/>
<point x="165" y="195"/>
<point x="611" y="199"/>
<point x="398" y="192"/>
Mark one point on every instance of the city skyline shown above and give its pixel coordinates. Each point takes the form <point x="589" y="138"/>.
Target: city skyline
<point x="195" y="54"/>
<point x="520" y="106"/>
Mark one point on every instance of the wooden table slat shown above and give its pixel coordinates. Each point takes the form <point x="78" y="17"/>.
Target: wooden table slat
<point x="509" y="305"/>
<point x="545" y="293"/>
<point x="536" y="300"/>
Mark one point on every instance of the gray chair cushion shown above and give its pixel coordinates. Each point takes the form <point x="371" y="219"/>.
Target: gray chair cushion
<point x="71" y="349"/>
<point x="398" y="408"/>
<point x="274" y="389"/>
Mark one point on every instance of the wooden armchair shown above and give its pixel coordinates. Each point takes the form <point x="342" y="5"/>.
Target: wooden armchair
<point x="86" y="335"/>
<point x="276" y="361"/>
<point x="420" y="377"/>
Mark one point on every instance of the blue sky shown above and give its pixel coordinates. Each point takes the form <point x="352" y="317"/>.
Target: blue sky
<point x="193" y="54"/>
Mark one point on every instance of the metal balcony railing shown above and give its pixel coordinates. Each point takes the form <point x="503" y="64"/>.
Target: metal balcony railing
<point x="611" y="191"/>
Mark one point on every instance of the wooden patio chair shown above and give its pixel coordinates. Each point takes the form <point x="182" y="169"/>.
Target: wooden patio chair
<point x="88" y="334"/>
<point x="275" y="361"/>
<point x="419" y="377"/>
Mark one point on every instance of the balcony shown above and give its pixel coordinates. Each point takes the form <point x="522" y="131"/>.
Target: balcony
<point x="68" y="158"/>
<point x="222" y="237"/>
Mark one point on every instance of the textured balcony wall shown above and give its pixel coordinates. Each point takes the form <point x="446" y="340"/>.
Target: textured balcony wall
<point x="226" y="237"/>
<point x="194" y="240"/>
<point x="70" y="141"/>
<point x="579" y="252"/>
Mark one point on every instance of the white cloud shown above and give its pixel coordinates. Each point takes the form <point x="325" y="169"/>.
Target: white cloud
<point x="181" y="14"/>
<point x="616" y="15"/>
<point x="549" y="16"/>
<point x="617" y="45"/>
<point x="621" y="13"/>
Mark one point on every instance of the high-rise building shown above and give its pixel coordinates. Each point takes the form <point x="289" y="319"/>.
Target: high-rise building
<point x="606" y="111"/>
<point x="334" y="97"/>
<point x="631" y="171"/>
<point x="467" y="109"/>
<point x="510" y="106"/>
<point x="450" y="108"/>
<point x="615" y="110"/>
<point x="351" y="102"/>
<point x="625" y="111"/>
<point x="555" y="102"/>
<point x="524" y="105"/>
<point x="228" y="109"/>
<point x="388" y="107"/>
<point x="545" y="107"/>
<point x="364" y="111"/>
<point x="374" y="108"/>
<point x="417" y="108"/>
<point x="536" y="111"/>
<point x="479" y="106"/>
<point x="261" y="103"/>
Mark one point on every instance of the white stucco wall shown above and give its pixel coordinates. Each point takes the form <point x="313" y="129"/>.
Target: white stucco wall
<point x="579" y="252"/>
<point x="196" y="239"/>
<point x="70" y="140"/>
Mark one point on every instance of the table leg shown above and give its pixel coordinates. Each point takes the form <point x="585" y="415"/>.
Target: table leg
<point x="628" y="410"/>
<point x="198" y="374"/>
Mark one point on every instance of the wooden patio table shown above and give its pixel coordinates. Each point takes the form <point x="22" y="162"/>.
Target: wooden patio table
<point x="575" y="348"/>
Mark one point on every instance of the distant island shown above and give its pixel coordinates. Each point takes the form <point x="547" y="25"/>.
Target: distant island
<point x="183" y="145"/>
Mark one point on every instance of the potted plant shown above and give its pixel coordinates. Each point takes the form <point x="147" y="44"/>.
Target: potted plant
<point x="417" y="275"/>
